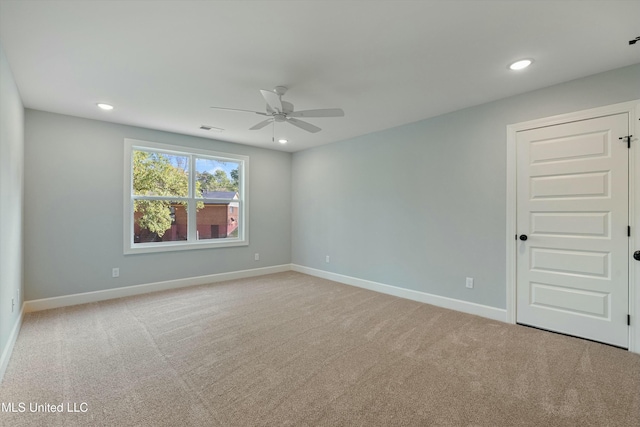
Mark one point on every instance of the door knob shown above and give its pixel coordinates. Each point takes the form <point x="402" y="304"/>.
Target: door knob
<point x="523" y="237"/>
<point x="636" y="255"/>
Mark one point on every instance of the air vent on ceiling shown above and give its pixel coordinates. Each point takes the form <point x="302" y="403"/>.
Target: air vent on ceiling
<point x="206" y="127"/>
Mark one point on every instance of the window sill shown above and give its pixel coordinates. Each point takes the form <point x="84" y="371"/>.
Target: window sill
<point x="145" y="248"/>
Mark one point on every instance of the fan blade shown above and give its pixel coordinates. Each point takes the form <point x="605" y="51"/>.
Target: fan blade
<point x="261" y="124"/>
<point x="303" y="125"/>
<point x="236" y="109"/>
<point x="325" y="112"/>
<point x="273" y="100"/>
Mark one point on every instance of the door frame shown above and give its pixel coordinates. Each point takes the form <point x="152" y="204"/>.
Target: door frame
<point x="631" y="107"/>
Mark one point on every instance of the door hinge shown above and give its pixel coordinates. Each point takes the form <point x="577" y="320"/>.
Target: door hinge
<point x="628" y="138"/>
<point x="628" y="231"/>
<point x="628" y="320"/>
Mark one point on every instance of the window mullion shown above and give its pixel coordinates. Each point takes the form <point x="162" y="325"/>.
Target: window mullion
<point x="191" y="205"/>
<point x="241" y="215"/>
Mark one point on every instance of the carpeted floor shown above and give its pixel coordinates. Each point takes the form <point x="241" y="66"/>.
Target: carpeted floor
<point x="291" y="349"/>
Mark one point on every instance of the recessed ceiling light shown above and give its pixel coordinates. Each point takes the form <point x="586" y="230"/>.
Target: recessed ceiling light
<point x="282" y="141"/>
<point x="520" y="65"/>
<point x="105" y="106"/>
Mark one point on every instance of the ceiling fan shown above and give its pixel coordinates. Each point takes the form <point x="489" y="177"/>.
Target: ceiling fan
<point x="282" y="111"/>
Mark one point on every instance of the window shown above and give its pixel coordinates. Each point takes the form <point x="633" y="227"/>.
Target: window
<point x="180" y="198"/>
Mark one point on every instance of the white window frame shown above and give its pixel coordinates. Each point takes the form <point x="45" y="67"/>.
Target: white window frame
<point x="131" y="145"/>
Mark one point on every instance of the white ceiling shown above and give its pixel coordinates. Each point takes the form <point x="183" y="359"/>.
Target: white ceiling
<point x="386" y="63"/>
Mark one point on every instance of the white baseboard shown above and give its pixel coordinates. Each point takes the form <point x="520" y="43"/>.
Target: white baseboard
<point x="8" y="349"/>
<point x="87" y="297"/>
<point x="450" y="303"/>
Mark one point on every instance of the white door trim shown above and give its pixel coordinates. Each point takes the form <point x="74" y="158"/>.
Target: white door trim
<point x="633" y="108"/>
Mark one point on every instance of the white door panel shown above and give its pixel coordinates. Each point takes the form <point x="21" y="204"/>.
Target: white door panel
<point x="582" y="263"/>
<point x="572" y="203"/>
<point x="576" y="185"/>
<point x="571" y="224"/>
<point x="571" y="301"/>
<point x="572" y="147"/>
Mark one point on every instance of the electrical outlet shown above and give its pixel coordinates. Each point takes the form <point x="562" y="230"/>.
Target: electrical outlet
<point x="326" y="258"/>
<point x="256" y="257"/>
<point x="469" y="282"/>
<point x="115" y="272"/>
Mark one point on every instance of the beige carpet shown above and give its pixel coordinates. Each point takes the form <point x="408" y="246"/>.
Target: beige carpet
<point x="291" y="349"/>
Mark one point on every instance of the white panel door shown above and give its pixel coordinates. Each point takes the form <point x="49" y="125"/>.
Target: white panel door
<point x="572" y="204"/>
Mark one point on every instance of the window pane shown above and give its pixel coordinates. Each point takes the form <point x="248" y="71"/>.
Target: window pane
<point x="217" y="220"/>
<point x="159" y="221"/>
<point x="160" y="174"/>
<point x="216" y="179"/>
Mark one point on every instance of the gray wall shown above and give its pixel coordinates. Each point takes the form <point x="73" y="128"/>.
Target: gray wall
<point x="11" y="200"/>
<point x="423" y="206"/>
<point x="74" y="209"/>
<point x="420" y="206"/>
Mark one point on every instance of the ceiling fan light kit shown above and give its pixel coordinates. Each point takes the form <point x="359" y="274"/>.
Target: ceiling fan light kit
<point x="281" y="111"/>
